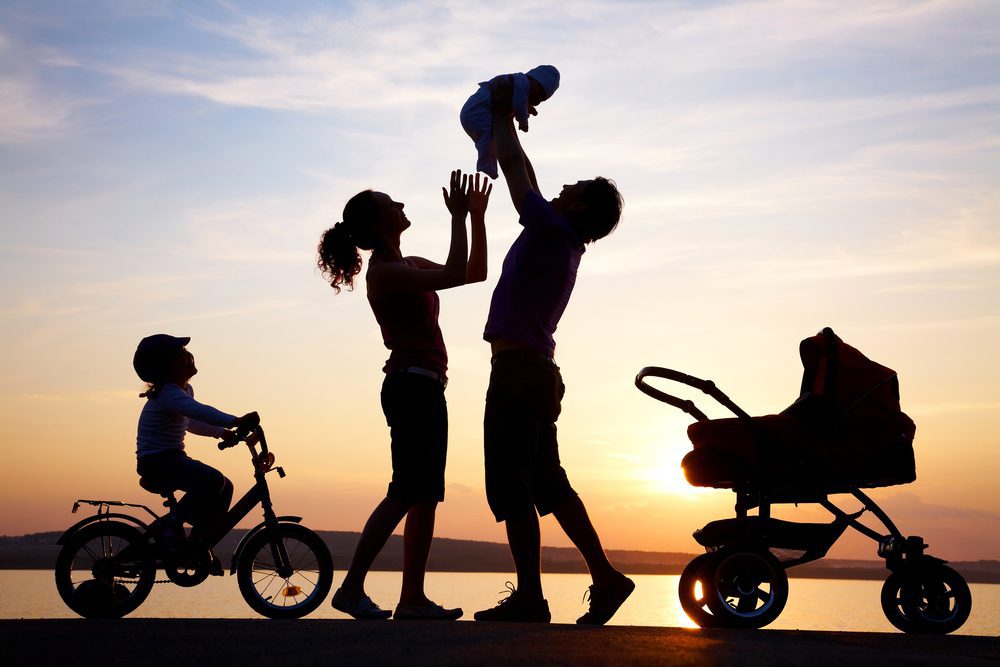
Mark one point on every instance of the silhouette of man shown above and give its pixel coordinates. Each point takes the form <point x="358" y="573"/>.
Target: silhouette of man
<point x="524" y="478"/>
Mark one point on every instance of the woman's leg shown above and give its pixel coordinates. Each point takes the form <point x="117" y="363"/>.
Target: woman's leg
<point x="377" y="530"/>
<point x="417" y="535"/>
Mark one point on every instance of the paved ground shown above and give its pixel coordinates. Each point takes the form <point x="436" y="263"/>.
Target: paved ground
<point x="323" y="642"/>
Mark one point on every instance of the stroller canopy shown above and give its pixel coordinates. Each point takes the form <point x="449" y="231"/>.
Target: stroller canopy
<point x="844" y="378"/>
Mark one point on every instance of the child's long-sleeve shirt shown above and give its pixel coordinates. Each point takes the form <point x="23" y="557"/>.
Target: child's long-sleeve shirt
<point x="167" y="416"/>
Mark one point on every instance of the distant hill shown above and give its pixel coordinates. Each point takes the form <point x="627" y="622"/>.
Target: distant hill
<point x="38" y="551"/>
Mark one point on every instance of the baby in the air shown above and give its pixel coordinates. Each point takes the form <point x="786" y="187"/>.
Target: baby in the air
<point x="529" y="89"/>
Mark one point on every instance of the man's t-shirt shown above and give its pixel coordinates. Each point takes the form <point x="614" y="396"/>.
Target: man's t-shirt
<point x="537" y="278"/>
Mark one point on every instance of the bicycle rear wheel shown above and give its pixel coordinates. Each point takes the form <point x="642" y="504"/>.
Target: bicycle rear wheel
<point x="291" y="590"/>
<point x="102" y="571"/>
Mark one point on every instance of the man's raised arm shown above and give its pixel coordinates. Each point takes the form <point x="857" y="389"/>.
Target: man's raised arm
<point x="513" y="162"/>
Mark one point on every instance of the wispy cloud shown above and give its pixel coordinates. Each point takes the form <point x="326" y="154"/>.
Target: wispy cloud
<point x="26" y="112"/>
<point x="389" y="55"/>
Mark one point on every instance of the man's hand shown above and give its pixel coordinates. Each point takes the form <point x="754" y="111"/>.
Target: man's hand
<point x="457" y="200"/>
<point x="479" y="195"/>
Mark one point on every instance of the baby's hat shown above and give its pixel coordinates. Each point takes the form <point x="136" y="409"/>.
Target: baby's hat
<point x="547" y="76"/>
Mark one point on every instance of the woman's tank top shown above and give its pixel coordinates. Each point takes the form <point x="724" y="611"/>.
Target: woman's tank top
<point x="409" y="324"/>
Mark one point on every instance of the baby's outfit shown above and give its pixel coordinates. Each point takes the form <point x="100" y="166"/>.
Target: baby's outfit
<point x="477" y="113"/>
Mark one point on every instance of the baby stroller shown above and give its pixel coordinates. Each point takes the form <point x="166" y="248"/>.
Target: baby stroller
<point x="845" y="432"/>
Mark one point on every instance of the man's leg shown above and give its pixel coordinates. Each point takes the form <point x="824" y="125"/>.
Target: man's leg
<point x="510" y="437"/>
<point x="610" y="588"/>
<point x="575" y="522"/>
<point x="524" y="538"/>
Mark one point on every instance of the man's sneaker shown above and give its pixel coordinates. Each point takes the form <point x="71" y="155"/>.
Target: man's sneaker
<point x="425" y="612"/>
<point x="516" y="608"/>
<point x="361" y="608"/>
<point x="605" y="600"/>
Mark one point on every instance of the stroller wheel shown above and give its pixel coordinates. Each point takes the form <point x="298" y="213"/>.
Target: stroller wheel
<point x="926" y="600"/>
<point x="692" y="588"/>
<point x="746" y="589"/>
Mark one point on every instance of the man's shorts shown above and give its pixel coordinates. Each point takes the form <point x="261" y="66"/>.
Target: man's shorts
<point x="417" y="414"/>
<point x="523" y="472"/>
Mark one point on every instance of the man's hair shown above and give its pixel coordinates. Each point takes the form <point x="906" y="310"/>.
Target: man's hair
<point x="602" y="210"/>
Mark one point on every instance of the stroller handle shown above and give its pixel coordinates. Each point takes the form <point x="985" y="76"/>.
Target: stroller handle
<point x="706" y="386"/>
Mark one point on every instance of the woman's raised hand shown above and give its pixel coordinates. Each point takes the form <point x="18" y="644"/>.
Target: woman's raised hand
<point x="457" y="200"/>
<point x="479" y="195"/>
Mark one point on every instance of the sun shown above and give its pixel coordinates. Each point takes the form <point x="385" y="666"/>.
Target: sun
<point x="662" y="468"/>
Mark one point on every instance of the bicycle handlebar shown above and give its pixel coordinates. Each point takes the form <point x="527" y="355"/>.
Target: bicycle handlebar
<point x="251" y="436"/>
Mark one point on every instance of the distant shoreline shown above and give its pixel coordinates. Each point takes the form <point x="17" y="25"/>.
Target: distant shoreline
<point x="38" y="551"/>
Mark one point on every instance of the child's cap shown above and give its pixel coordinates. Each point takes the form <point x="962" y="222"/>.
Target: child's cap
<point x="153" y="351"/>
<point x="547" y="76"/>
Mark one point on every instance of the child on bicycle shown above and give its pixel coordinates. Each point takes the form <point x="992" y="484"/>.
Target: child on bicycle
<point x="170" y="411"/>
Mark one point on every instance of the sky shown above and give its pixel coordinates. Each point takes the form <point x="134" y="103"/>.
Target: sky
<point x="170" y="166"/>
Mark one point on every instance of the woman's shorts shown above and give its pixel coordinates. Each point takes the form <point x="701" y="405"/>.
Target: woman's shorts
<point x="417" y="415"/>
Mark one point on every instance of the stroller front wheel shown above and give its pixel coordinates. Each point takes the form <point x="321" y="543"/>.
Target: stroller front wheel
<point x="692" y="589"/>
<point x="746" y="589"/>
<point x="926" y="600"/>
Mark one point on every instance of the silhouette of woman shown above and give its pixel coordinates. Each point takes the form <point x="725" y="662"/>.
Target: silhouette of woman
<point x="402" y="295"/>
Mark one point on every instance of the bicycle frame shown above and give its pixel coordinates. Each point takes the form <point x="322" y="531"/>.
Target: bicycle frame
<point x="259" y="493"/>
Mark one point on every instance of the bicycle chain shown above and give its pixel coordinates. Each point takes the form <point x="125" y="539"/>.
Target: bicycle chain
<point x="136" y="581"/>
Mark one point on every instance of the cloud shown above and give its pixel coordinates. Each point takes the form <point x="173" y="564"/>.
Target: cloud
<point x="392" y="55"/>
<point x="910" y="504"/>
<point x="955" y="407"/>
<point x="30" y="108"/>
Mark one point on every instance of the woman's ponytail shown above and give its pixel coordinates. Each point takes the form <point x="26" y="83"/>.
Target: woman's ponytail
<point x="339" y="259"/>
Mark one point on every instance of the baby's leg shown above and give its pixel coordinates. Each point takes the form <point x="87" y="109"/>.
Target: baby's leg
<point x="477" y="121"/>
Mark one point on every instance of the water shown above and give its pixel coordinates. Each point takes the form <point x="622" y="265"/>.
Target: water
<point x="813" y="604"/>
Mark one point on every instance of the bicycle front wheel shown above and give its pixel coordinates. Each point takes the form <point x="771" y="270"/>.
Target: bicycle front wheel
<point x="285" y="590"/>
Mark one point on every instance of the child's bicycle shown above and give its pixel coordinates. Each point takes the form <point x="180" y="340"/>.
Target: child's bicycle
<point x="108" y="562"/>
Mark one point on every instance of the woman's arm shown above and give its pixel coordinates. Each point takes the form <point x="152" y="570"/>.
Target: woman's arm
<point x="385" y="277"/>
<point x="479" y="199"/>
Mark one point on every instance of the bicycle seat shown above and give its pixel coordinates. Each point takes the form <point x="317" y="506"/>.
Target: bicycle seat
<point x="153" y="486"/>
